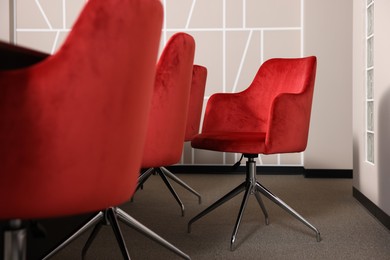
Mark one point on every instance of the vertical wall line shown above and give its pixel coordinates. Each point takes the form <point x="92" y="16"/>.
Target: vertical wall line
<point x="190" y="14"/>
<point x="259" y="159"/>
<point x="242" y="60"/>
<point x="302" y="54"/>
<point x="302" y="27"/>
<point x="164" y="34"/>
<point x="224" y="46"/>
<point x="224" y="58"/>
<point x="12" y="21"/>
<point x="63" y="14"/>
<point x="53" y="48"/>
<point x="244" y="14"/>
<point x="261" y="46"/>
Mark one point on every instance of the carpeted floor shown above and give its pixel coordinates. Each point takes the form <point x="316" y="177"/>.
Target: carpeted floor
<point x="348" y="231"/>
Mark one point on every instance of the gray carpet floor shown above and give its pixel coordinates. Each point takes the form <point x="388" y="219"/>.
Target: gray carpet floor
<point x="348" y="231"/>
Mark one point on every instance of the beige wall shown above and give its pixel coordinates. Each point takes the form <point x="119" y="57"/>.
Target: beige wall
<point x="233" y="37"/>
<point x="4" y="20"/>
<point x="44" y="24"/>
<point x="372" y="179"/>
<point x="328" y="35"/>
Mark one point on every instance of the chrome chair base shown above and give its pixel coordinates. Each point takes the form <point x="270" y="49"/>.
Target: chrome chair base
<point x="164" y="173"/>
<point x="251" y="187"/>
<point x="110" y="217"/>
<point x="14" y="247"/>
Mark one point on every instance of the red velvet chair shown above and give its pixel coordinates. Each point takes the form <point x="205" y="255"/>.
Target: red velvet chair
<point x="271" y="116"/>
<point x="198" y="84"/>
<point x="72" y="127"/>
<point x="168" y="116"/>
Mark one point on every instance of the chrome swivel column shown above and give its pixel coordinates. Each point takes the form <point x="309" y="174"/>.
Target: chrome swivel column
<point x="15" y="241"/>
<point x="251" y="186"/>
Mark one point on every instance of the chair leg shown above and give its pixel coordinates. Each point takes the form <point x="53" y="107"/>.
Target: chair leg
<point x="144" y="177"/>
<point x="287" y="208"/>
<point x="91" y="238"/>
<point x="131" y="222"/>
<point x="111" y="216"/>
<point x="181" y="182"/>
<point x="96" y="219"/>
<point x="164" y="173"/>
<point x="262" y="206"/>
<point x="171" y="189"/>
<point x="251" y="179"/>
<point x="15" y="244"/>
<point x="218" y="203"/>
<point x="240" y="214"/>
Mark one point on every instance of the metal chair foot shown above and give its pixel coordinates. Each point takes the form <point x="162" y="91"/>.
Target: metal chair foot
<point x="181" y="182"/>
<point x="218" y="203"/>
<point x="131" y="222"/>
<point x="287" y="208"/>
<point x="96" y="219"/>
<point x="318" y="237"/>
<point x="171" y="189"/>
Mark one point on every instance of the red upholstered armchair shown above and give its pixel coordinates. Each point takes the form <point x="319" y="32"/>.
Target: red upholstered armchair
<point x="271" y="116"/>
<point x="195" y="105"/>
<point x="72" y="127"/>
<point x="171" y="94"/>
<point x="178" y="84"/>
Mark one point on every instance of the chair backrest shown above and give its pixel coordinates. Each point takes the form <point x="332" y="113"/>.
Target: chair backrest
<point x="72" y="127"/>
<point x="198" y="85"/>
<point x="168" y="115"/>
<point x="277" y="76"/>
<point x="284" y="92"/>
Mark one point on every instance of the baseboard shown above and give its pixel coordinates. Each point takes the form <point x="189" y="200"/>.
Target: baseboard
<point x="266" y="170"/>
<point x="379" y="214"/>
<point x="223" y="169"/>
<point x="328" y="173"/>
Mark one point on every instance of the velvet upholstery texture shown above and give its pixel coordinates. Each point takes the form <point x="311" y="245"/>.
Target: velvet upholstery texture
<point x="72" y="126"/>
<point x="271" y="116"/>
<point x="198" y="85"/>
<point x="168" y="114"/>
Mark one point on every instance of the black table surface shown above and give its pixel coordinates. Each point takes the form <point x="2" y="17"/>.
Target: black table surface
<point x="14" y="57"/>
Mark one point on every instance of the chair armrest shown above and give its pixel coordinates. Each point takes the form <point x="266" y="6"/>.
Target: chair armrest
<point x="231" y="112"/>
<point x="288" y="127"/>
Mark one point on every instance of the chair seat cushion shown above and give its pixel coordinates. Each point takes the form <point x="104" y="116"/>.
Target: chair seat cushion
<point x="236" y="142"/>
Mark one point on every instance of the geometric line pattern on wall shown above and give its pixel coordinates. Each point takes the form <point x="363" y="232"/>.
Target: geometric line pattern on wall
<point x="233" y="37"/>
<point x="34" y="17"/>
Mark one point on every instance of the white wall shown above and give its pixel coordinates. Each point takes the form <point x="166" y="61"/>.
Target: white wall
<point x="232" y="38"/>
<point x="4" y="20"/>
<point x="328" y="35"/>
<point x="373" y="180"/>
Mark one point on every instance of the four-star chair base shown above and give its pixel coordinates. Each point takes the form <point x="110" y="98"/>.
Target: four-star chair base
<point x="109" y="217"/>
<point x="164" y="173"/>
<point x="251" y="186"/>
